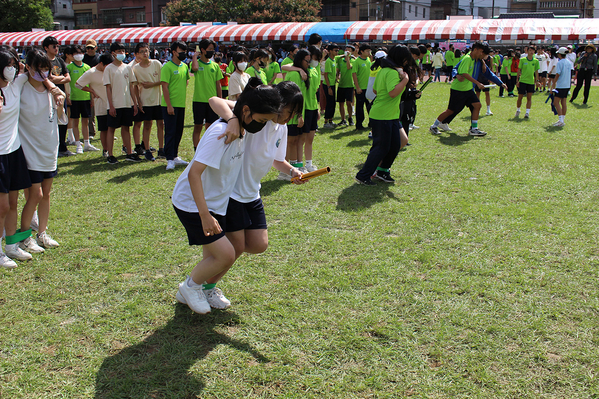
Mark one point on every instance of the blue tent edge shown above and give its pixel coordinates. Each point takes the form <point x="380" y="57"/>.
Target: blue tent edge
<point x="330" y="31"/>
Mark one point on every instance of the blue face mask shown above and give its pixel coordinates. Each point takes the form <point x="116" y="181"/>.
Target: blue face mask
<point x="120" y="57"/>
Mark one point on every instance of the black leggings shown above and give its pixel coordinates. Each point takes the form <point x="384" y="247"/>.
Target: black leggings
<point x="584" y="76"/>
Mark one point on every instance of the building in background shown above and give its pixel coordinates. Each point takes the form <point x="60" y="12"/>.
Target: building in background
<point x="130" y="13"/>
<point x="484" y="8"/>
<point x="86" y="14"/>
<point x="578" y="8"/>
<point x="64" y="17"/>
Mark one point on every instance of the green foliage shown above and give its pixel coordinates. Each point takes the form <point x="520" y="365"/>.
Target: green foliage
<point x="251" y="11"/>
<point x="23" y="15"/>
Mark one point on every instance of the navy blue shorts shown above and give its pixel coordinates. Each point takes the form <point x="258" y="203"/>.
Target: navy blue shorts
<point x="152" y="113"/>
<point x="14" y="174"/>
<point x="203" y="112"/>
<point x="80" y="109"/>
<point x="310" y="121"/>
<point x="293" y="130"/>
<point x="460" y="99"/>
<point x="193" y="225"/>
<point x="124" y="117"/>
<point x="102" y="124"/>
<point x="525" y="88"/>
<point x="562" y="93"/>
<point x="38" y="177"/>
<point x="245" y="216"/>
<point x="345" y="94"/>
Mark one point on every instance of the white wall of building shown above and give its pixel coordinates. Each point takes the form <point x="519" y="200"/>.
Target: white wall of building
<point x="482" y="8"/>
<point x="416" y="9"/>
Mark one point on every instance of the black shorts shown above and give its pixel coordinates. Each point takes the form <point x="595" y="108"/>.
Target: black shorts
<point x="193" y="225"/>
<point x="38" y="177"/>
<point x="460" y="99"/>
<point x="102" y="123"/>
<point x="80" y="109"/>
<point x="486" y="89"/>
<point x="201" y="112"/>
<point x="14" y="174"/>
<point x="426" y="67"/>
<point x="562" y="93"/>
<point x="245" y="216"/>
<point x="310" y="121"/>
<point x="225" y="93"/>
<point x="150" y="114"/>
<point x="543" y="74"/>
<point x="124" y="117"/>
<point x="293" y="130"/>
<point x="551" y="76"/>
<point x="525" y="88"/>
<point x="345" y="94"/>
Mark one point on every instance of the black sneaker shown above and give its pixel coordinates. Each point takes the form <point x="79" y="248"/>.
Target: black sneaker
<point x="133" y="157"/>
<point x="384" y="176"/>
<point x="161" y="153"/>
<point x="367" y="182"/>
<point x="143" y="145"/>
<point x="149" y="156"/>
<point x="124" y="150"/>
<point x="139" y="150"/>
<point x="342" y="123"/>
<point x="112" y="159"/>
<point x="351" y="121"/>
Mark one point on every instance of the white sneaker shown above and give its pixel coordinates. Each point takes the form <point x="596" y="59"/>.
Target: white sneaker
<point x="179" y="161"/>
<point x="284" y="176"/>
<point x="79" y="148"/>
<point x="216" y="299"/>
<point x="6" y="262"/>
<point x="89" y="147"/>
<point x="35" y="223"/>
<point x="31" y="246"/>
<point x="517" y="114"/>
<point x="44" y="240"/>
<point x="474" y="131"/>
<point x="445" y="127"/>
<point x="434" y="130"/>
<point x="193" y="297"/>
<point x="415" y="127"/>
<point x="311" y="168"/>
<point x="14" y="251"/>
<point x="489" y="113"/>
<point x="526" y="116"/>
<point x="303" y="169"/>
<point x="170" y="165"/>
<point x="559" y="124"/>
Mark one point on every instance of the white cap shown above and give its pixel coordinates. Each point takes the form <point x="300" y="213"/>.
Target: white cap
<point x="562" y="50"/>
<point x="380" y="54"/>
<point x="569" y="46"/>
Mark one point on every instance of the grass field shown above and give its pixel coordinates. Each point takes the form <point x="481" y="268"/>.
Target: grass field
<point x="474" y="276"/>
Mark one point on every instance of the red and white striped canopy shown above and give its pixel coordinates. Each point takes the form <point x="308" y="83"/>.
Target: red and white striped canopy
<point x="249" y="32"/>
<point x="476" y="29"/>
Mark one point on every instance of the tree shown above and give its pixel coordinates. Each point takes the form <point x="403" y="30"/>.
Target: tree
<point x="23" y="15"/>
<point x="246" y="11"/>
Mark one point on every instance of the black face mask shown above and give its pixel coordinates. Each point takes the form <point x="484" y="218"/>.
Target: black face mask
<point x="209" y="54"/>
<point x="262" y="64"/>
<point x="217" y="60"/>
<point x="181" y="55"/>
<point x="254" y="126"/>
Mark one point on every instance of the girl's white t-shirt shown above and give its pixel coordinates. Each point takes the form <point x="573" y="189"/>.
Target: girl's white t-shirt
<point x="552" y="65"/>
<point x="9" y="117"/>
<point x="38" y="129"/>
<point x="262" y="148"/>
<point x="237" y="82"/>
<point x="223" y="163"/>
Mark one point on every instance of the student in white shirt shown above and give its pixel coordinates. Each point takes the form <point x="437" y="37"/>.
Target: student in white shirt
<point x="239" y="79"/>
<point x="122" y="104"/>
<point x="92" y="82"/>
<point x="201" y="194"/>
<point x="38" y="132"/>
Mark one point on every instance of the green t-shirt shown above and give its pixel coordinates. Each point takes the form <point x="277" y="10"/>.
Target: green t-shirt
<point x="450" y="58"/>
<point x="272" y="70"/>
<point x="466" y="66"/>
<point x="231" y="68"/>
<point x="76" y="72"/>
<point x="260" y="74"/>
<point x="287" y="61"/>
<point x="361" y="67"/>
<point x="385" y="107"/>
<point x="427" y="58"/>
<point x="294" y="76"/>
<point x="205" y="81"/>
<point x="345" y="75"/>
<point x="528" y="69"/>
<point x="330" y="69"/>
<point x="506" y="66"/>
<point x="176" y="76"/>
<point x="310" y="99"/>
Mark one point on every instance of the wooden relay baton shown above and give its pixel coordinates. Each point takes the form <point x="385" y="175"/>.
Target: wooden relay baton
<point x="311" y="175"/>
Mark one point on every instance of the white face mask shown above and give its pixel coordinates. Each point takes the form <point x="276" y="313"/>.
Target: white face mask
<point x="78" y="57"/>
<point x="314" y="63"/>
<point x="9" y="73"/>
<point x="120" y="57"/>
<point x="242" y="66"/>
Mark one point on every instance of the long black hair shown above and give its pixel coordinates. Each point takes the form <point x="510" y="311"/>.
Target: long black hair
<point x="298" y="63"/>
<point x="400" y="56"/>
<point x="260" y="98"/>
<point x="38" y="59"/>
<point x="291" y="96"/>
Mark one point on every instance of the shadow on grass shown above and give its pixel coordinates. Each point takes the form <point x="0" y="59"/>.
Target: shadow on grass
<point x="553" y="129"/>
<point x="580" y="106"/>
<point x="454" y="139"/>
<point x="159" y="366"/>
<point x="347" y="133"/>
<point x="358" y="197"/>
<point x="272" y="186"/>
<point x="157" y="170"/>
<point x="360" y="143"/>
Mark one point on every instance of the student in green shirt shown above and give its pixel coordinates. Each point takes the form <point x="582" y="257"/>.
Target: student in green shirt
<point x="345" y="89"/>
<point x="289" y="59"/>
<point x="207" y="76"/>
<point x="330" y="79"/>
<point x="360" y="74"/>
<point x="450" y="62"/>
<point x="504" y="72"/>
<point x="80" y="100"/>
<point x="258" y="60"/>
<point x="388" y="136"/>
<point x="173" y="77"/>
<point x="528" y="74"/>
<point x="273" y="68"/>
